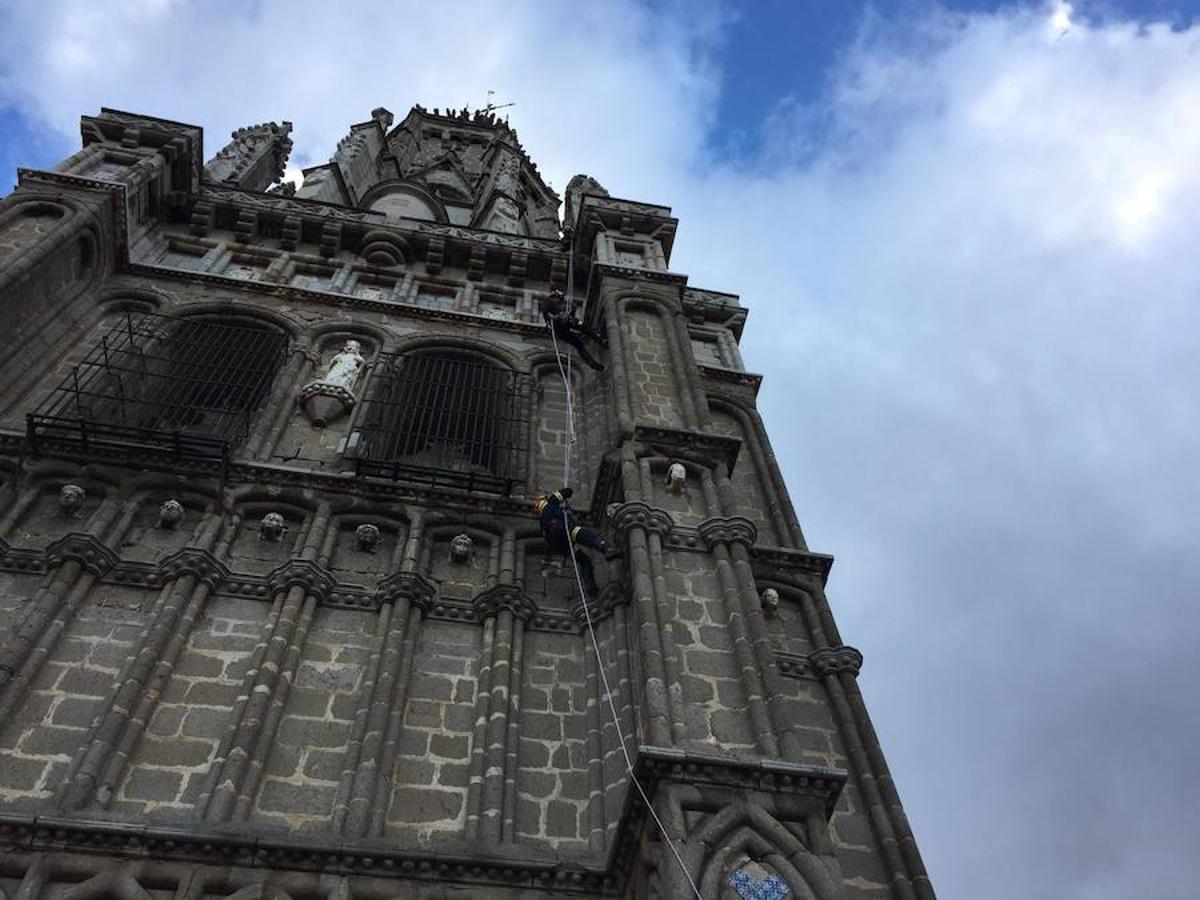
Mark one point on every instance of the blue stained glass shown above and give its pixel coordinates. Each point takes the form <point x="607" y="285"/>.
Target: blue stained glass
<point x="750" y="888"/>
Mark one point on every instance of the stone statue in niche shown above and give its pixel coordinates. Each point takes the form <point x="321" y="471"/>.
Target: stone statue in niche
<point x="170" y="514"/>
<point x="332" y="395"/>
<point x="272" y="528"/>
<point x="70" y="498"/>
<point x="461" y="548"/>
<point x="676" y="478"/>
<point x="366" y="536"/>
<point x="770" y="602"/>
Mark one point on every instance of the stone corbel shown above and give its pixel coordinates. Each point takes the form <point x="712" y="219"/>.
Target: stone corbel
<point x="85" y="549"/>
<point x="302" y="573"/>
<point x="636" y="514"/>
<point x="832" y="660"/>
<point x="417" y="589"/>
<point x="728" y="530"/>
<point x="504" y="596"/>
<point x="193" y="561"/>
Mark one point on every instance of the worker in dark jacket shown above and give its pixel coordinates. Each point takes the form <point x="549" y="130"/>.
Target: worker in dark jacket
<point x="560" y="531"/>
<point x="560" y="316"/>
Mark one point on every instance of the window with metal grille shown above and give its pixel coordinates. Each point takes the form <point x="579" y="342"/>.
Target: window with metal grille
<point x="443" y="418"/>
<point x="183" y="387"/>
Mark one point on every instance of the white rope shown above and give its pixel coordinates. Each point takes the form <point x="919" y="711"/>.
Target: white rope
<point x="565" y="372"/>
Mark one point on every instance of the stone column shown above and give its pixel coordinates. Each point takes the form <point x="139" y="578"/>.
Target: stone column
<point x="192" y="574"/>
<point x="644" y="527"/>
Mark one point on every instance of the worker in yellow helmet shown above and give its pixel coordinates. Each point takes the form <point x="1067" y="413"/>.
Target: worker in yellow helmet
<point x="560" y="531"/>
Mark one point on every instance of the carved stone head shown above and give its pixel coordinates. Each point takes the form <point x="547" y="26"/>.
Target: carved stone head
<point x="366" y="536"/>
<point x="676" y="478"/>
<point x="170" y="514"/>
<point x="70" y="498"/>
<point x="770" y="601"/>
<point x="353" y="347"/>
<point x="272" y="528"/>
<point x="461" y="548"/>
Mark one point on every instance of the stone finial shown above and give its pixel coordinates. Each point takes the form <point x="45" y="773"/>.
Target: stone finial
<point x="332" y="395"/>
<point x="461" y="548"/>
<point x="367" y="537"/>
<point x="676" y="478"/>
<point x="70" y="498"/>
<point x="577" y="188"/>
<point x="770" y="602"/>
<point x="272" y="528"/>
<point x="383" y="116"/>
<point x="170" y="514"/>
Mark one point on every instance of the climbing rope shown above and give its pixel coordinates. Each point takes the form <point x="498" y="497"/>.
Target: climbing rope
<point x="565" y="372"/>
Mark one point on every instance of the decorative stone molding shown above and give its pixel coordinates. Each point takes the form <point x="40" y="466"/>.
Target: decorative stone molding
<point x="366" y="537"/>
<point x="272" y="528"/>
<point x="833" y="660"/>
<point x="728" y="530"/>
<point x="194" y="561"/>
<point x="302" y="573"/>
<point x="84" y="549"/>
<point x="793" y="665"/>
<point x="504" y="596"/>
<point x="417" y="589"/>
<point x="170" y="514"/>
<point x="70" y="498"/>
<point x="682" y="442"/>
<point x="636" y="514"/>
<point x="384" y="249"/>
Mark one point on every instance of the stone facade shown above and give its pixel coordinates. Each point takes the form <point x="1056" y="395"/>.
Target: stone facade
<point x="266" y="639"/>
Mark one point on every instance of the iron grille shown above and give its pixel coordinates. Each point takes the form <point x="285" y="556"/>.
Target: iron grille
<point x="183" y="387"/>
<point x="443" y="419"/>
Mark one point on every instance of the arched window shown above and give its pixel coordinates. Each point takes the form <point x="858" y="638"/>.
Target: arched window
<point x="187" y="387"/>
<point x="443" y="417"/>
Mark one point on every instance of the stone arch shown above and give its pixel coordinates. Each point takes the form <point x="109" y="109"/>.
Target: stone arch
<point x="457" y="342"/>
<point x="752" y="477"/>
<point x="405" y="200"/>
<point x="235" y="313"/>
<point x="746" y="831"/>
<point x="115" y="884"/>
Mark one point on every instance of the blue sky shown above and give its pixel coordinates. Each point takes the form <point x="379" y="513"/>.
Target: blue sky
<point x="966" y="235"/>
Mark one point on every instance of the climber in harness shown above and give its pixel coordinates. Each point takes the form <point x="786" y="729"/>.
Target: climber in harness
<point x="560" y="316"/>
<point x="560" y="531"/>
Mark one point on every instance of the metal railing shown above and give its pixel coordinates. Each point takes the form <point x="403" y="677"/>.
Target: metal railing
<point x="443" y="419"/>
<point x="180" y="387"/>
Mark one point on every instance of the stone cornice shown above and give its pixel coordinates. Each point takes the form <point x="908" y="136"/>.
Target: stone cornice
<point x="728" y="530"/>
<point x="766" y="559"/>
<point x="688" y="443"/>
<point x="732" y="376"/>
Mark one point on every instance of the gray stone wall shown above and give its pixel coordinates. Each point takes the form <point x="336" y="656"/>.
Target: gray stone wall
<point x="233" y="712"/>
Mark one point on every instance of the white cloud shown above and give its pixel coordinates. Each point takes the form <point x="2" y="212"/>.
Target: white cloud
<point x="973" y="292"/>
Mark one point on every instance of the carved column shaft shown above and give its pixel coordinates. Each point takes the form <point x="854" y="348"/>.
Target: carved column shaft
<point x="595" y="749"/>
<point x="619" y="370"/>
<point x="764" y="734"/>
<point x="680" y="365"/>
<point x="275" y="711"/>
<point x="687" y="365"/>
<point x="513" y="735"/>
<point x="395" y="722"/>
<point x="658" y="715"/>
<point x="764" y="652"/>
<point x="497" y="728"/>
<point x="666" y="634"/>
<point x="479" y="736"/>
<point x="233" y="765"/>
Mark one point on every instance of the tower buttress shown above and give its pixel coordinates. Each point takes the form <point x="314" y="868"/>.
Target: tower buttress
<point x="254" y="159"/>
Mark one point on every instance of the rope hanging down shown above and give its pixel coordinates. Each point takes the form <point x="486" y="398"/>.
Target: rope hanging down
<point x="565" y="372"/>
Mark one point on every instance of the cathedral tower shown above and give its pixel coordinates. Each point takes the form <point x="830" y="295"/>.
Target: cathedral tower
<point x="275" y="618"/>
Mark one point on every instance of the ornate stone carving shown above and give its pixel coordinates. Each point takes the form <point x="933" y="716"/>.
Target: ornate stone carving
<point x="272" y="528"/>
<point x="70" y="498"/>
<point x="676" y="478"/>
<point x="831" y="660"/>
<point x="254" y="158"/>
<point x="332" y="395"/>
<point x="366" y="536"/>
<point x="170" y="514"/>
<point x="462" y="548"/>
<point x="504" y="596"/>
<point x="728" y="530"/>
<point x="640" y="515"/>
<point x="417" y="589"/>
<point x="770" y="601"/>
